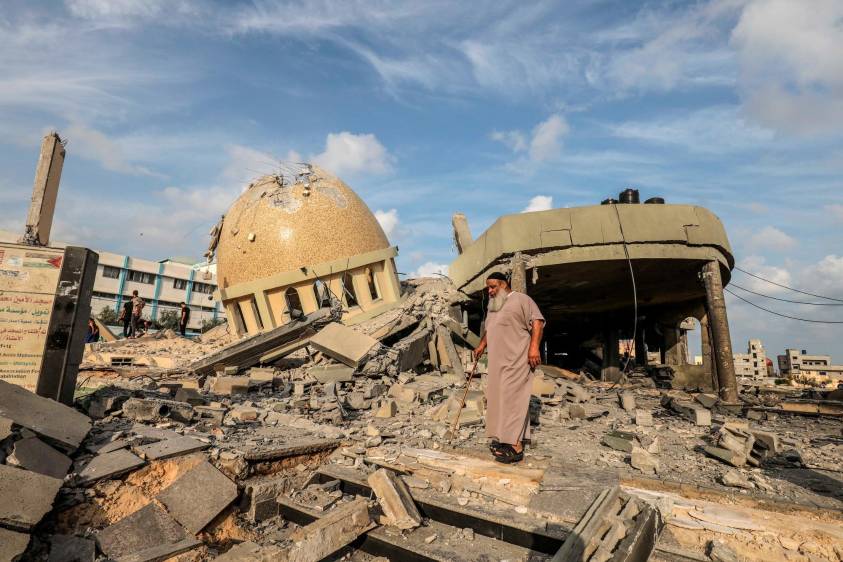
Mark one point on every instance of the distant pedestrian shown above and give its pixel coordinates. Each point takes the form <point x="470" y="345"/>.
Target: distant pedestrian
<point x="184" y="318"/>
<point x="126" y="318"/>
<point x="93" y="334"/>
<point x="137" y="309"/>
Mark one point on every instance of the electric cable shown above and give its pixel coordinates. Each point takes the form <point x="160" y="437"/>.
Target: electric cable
<point x="785" y="300"/>
<point x="786" y="287"/>
<point x="780" y="314"/>
<point x="634" y="288"/>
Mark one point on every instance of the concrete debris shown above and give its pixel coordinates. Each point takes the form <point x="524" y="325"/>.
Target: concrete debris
<point x="344" y="344"/>
<point x="52" y="420"/>
<point x="620" y="441"/>
<point x="35" y="455"/>
<point x="644" y="461"/>
<point x="627" y="400"/>
<point x="170" y="448"/>
<point x="395" y="500"/>
<point x="156" y="410"/>
<point x="230" y="385"/>
<point x="27" y="497"/>
<point x="147" y="535"/>
<point x="68" y="548"/>
<point x="108" y="465"/>
<point x="198" y="496"/>
<point x="12" y="544"/>
<point x="332" y="373"/>
<point x="644" y="418"/>
<point x="735" y="479"/>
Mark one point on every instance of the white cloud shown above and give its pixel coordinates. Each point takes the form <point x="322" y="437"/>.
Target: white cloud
<point x="791" y="71"/>
<point x="95" y="145"/>
<point x="544" y="142"/>
<point x="836" y="211"/>
<point x="348" y="153"/>
<point x="758" y="266"/>
<point x="388" y="220"/>
<point x="539" y="203"/>
<point x="771" y="238"/>
<point x="824" y="277"/>
<point x="430" y="269"/>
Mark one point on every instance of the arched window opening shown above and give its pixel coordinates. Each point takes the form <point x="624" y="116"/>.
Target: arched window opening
<point x="294" y="308"/>
<point x="374" y="291"/>
<point x="348" y="290"/>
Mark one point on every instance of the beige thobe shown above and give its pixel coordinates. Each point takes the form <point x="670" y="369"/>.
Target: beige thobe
<point x="509" y="381"/>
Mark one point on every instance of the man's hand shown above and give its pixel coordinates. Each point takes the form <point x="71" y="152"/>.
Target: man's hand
<point x="478" y="351"/>
<point x="534" y="356"/>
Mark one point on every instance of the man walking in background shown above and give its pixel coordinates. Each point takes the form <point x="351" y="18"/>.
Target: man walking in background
<point x="184" y="318"/>
<point x="137" y="309"/>
<point x="126" y="318"/>
<point x="513" y="333"/>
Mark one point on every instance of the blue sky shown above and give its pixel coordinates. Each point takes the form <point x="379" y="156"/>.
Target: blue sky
<point x="426" y="108"/>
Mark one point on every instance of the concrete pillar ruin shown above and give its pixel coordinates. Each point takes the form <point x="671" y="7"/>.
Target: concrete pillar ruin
<point x="39" y="222"/>
<point x="462" y="233"/>
<point x="610" y="370"/>
<point x="640" y="348"/>
<point x="706" y="350"/>
<point x="518" y="279"/>
<point x="720" y="336"/>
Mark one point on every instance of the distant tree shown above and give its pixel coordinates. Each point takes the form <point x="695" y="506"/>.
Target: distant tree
<point x="107" y="316"/>
<point x="211" y="323"/>
<point x="168" y="319"/>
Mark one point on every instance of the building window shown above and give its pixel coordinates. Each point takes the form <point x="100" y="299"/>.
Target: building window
<point x="373" y="284"/>
<point x="110" y="272"/>
<point x="319" y="292"/>
<point x="348" y="290"/>
<point x="238" y="319"/>
<point x="203" y="288"/>
<point x="180" y="284"/>
<point x="141" y="277"/>
<point x="294" y="308"/>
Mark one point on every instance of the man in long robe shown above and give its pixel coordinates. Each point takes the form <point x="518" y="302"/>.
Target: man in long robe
<point x="512" y="335"/>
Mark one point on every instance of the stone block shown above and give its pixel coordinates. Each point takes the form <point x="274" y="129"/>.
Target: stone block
<point x="230" y="385"/>
<point x="215" y="415"/>
<point x="170" y="448"/>
<point x="328" y="534"/>
<point x="155" y="410"/>
<point x="577" y="411"/>
<point x="260" y="498"/>
<point x="644" y="461"/>
<point x="45" y="417"/>
<point x="332" y="373"/>
<point x="261" y="375"/>
<point x="401" y="393"/>
<point x="627" y="400"/>
<point x="619" y="440"/>
<point x="387" y="409"/>
<point x="146" y="535"/>
<point x="412" y="350"/>
<point x="108" y="465"/>
<point x="644" y="418"/>
<point x="395" y="499"/>
<point x="735" y="479"/>
<point x="68" y="548"/>
<point x="725" y="455"/>
<point x="343" y="344"/>
<point x="26" y="497"/>
<point x="5" y="427"/>
<point x="707" y="400"/>
<point x="769" y="441"/>
<point x="191" y="396"/>
<point x="35" y="455"/>
<point x="12" y="544"/>
<point x="198" y="496"/>
<point x="702" y="417"/>
<point x="243" y="414"/>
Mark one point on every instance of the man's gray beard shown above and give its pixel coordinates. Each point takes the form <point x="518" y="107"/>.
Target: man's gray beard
<point x="496" y="302"/>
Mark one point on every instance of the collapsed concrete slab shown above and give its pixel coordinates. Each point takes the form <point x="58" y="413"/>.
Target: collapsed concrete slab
<point x="35" y="455"/>
<point x="26" y="497"/>
<point x="49" y="418"/>
<point x="332" y="373"/>
<point x="395" y="500"/>
<point x="108" y="465"/>
<point x="343" y="344"/>
<point x="147" y="535"/>
<point x="198" y="496"/>
<point x="68" y="548"/>
<point x="12" y="544"/>
<point x="170" y="448"/>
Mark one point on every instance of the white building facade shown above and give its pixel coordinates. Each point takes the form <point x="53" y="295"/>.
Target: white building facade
<point x="753" y="363"/>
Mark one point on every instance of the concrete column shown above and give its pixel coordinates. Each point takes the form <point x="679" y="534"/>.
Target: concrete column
<point x="720" y="336"/>
<point x="462" y="233"/>
<point x="39" y="222"/>
<point x="640" y="348"/>
<point x="518" y="279"/>
<point x="672" y="345"/>
<point x="610" y="370"/>
<point x="706" y="350"/>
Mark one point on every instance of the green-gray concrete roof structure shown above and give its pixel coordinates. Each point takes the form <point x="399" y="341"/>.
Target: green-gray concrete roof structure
<point x="579" y="260"/>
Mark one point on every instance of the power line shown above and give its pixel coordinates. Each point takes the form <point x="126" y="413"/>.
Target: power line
<point x="779" y="313"/>
<point x="785" y="300"/>
<point x="786" y="287"/>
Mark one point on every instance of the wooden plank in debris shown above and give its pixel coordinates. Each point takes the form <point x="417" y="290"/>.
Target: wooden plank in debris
<point x="247" y="353"/>
<point x="586" y="532"/>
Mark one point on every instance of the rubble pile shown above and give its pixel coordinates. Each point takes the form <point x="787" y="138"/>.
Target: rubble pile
<point x="293" y="444"/>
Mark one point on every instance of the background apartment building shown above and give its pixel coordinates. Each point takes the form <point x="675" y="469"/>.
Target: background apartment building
<point x="162" y="284"/>
<point x="753" y="363"/>
<point x="798" y="364"/>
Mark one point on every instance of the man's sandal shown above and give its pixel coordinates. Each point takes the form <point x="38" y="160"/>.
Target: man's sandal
<point x="506" y="454"/>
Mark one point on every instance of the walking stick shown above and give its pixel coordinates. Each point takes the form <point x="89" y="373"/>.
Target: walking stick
<point x="453" y="431"/>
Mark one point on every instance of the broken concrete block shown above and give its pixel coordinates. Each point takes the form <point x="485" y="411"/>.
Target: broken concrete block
<point x="543" y="386"/>
<point x="644" y="418"/>
<point x="260" y="498"/>
<point x="725" y="455"/>
<point x="412" y="350"/>
<point x="343" y="344"/>
<point x="198" y="496"/>
<point x="447" y="351"/>
<point x="170" y="448"/>
<point x="68" y="548"/>
<point x="12" y="544"/>
<point x="627" y="400"/>
<point x="644" y="461"/>
<point x="108" y="465"/>
<point x="402" y="394"/>
<point x="619" y="440"/>
<point x="146" y="535"/>
<point x="707" y="400"/>
<point x="357" y="401"/>
<point x="230" y="385"/>
<point x="702" y="417"/>
<point x="387" y="409"/>
<point x="156" y="410"/>
<point x="577" y="412"/>
<point x="770" y="441"/>
<point x="26" y="497"/>
<point x="332" y="373"/>
<point x="243" y="414"/>
<point x="395" y="499"/>
<point x="190" y="395"/>
<point x="720" y="552"/>
<point x="215" y="415"/>
<point x="45" y="417"/>
<point x="325" y="536"/>
<point x="735" y="479"/>
<point x="261" y="375"/>
<point x="230" y="370"/>
<point x="35" y="455"/>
